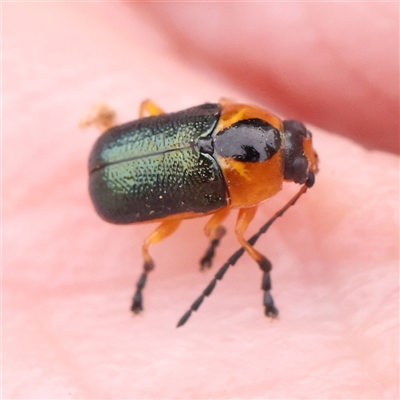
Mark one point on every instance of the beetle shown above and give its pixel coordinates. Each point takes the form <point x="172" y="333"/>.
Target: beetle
<point x="204" y="160"/>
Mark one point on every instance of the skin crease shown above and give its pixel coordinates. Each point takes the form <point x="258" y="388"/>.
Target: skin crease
<point x="68" y="276"/>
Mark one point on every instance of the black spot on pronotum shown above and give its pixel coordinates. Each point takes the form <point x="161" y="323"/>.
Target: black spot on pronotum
<point x="251" y="140"/>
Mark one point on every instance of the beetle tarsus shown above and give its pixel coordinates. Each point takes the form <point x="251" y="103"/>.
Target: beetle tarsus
<point x="217" y="235"/>
<point x="269" y="307"/>
<point x="137" y="301"/>
<point x="206" y="261"/>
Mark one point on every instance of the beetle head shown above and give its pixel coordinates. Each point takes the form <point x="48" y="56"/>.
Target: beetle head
<point x="301" y="161"/>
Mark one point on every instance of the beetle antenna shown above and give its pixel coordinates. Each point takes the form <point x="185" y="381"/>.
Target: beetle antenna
<point x="235" y="256"/>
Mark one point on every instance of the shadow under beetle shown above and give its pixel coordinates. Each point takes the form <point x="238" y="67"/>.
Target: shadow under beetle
<point x="205" y="160"/>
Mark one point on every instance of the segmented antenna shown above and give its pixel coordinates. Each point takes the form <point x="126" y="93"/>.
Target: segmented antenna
<point x="235" y="256"/>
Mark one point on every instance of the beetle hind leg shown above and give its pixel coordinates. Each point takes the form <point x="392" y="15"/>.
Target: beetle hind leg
<point x="162" y="231"/>
<point x="244" y="218"/>
<point x="101" y="116"/>
<point x="215" y="232"/>
<point x="269" y="307"/>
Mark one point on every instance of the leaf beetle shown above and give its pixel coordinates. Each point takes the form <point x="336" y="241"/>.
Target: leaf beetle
<point x="205" y="160"/>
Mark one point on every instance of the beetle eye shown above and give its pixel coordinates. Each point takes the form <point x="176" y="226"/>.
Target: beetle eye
<point x="311" y="179"/>
<point x="300" y="170"/>
<point x="294" y="126"/>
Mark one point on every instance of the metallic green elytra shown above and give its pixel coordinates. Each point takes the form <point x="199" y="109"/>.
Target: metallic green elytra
<point x="157" y="166"/>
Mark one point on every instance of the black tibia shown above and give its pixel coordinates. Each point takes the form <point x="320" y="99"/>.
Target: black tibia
<point x="269" y="308"/>
<point x="206" y="261"/>
<point x="137" y="301"/>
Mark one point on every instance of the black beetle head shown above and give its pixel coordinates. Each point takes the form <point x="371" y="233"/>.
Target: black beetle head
<point x="301" y="161"/>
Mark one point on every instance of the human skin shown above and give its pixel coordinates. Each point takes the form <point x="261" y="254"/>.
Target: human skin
<point x="68" y="277"/>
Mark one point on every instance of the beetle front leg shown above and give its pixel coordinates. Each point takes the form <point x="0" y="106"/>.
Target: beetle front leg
<point x="244" y="218"/>
<point x="215" y="232"/>
<point x="162" y="231"/>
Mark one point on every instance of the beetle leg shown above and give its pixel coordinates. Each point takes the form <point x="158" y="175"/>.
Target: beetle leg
<point x="215" y="232"/>
<point x="244" y="218"/>
<point x="101" y="116"/>
<point x="165" y="229"/>
<point x="148" y="107"/>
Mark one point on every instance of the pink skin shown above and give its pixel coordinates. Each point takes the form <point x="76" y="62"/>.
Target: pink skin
<point x="68" y="277"/>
